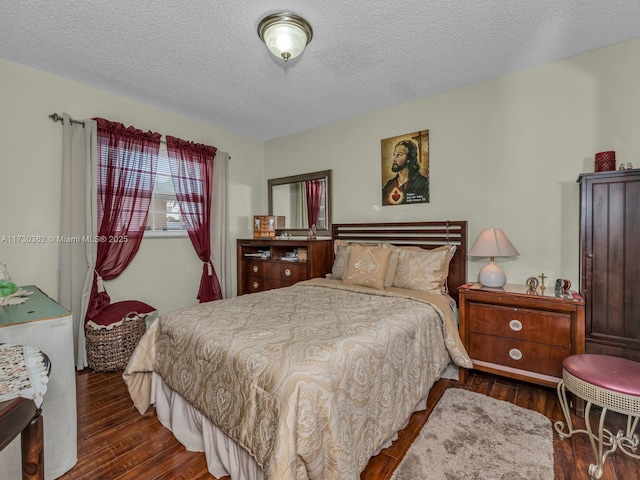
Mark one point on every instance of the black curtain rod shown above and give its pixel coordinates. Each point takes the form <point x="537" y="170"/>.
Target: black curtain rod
<point x="58" y="118"/>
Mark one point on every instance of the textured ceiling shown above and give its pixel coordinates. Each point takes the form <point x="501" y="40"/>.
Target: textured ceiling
<point x="203" y="58"/>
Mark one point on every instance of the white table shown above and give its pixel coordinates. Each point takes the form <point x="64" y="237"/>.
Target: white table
<point x="42" y="323"/>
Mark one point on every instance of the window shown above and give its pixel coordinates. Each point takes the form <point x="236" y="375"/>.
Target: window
<point x="165" y="218"/>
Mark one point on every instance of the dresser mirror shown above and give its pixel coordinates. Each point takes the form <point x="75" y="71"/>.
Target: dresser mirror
<point x="301" y="198"/>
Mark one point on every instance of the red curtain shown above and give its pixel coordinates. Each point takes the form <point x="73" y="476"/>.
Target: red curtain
<point x="314" y="192"/>
<point x="127" y="159"/>
<point x="192" y="172"/>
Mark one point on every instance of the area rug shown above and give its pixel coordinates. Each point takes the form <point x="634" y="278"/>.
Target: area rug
<point x="470" y="436"/>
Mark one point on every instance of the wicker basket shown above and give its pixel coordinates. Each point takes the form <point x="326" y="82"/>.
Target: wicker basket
<point x="109" y="349"/>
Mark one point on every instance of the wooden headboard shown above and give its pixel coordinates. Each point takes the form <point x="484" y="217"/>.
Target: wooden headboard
<point x="427" y="235"/>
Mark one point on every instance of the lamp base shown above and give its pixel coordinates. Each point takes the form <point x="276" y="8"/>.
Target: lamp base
<point x="492" y="276"/>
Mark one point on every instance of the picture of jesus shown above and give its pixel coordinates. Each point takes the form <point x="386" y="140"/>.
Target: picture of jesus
<point x="405" y="169"/>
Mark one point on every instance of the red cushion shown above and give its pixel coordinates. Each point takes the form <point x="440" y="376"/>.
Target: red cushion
<point x="605" y="371"/>
<point x="119" y="310"/>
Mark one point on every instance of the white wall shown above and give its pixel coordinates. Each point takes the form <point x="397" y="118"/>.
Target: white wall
<point x="505" y="153"/>
<point x="165" y="272"/>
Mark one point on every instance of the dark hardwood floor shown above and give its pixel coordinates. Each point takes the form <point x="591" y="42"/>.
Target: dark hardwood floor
<point x="116" y="443"/>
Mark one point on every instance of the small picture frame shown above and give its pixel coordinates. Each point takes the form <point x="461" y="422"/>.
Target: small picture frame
<point x="266" y="226"/>
<point x="562" y="285"/>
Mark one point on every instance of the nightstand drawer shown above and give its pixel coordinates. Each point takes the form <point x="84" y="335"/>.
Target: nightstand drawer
<point x="532" y="357"/>
<point x="522" y="324"/>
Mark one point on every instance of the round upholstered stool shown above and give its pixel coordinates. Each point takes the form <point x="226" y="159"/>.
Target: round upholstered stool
<point x="610" y="383"/>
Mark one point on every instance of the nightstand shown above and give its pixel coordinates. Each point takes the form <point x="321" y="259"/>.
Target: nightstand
<point x="519" y="333"/>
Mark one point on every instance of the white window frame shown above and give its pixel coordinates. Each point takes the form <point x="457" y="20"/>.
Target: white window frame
<point x="163" y="167"/>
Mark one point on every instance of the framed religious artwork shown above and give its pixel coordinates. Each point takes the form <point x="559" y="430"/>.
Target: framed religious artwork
<point x="405" y="169"/>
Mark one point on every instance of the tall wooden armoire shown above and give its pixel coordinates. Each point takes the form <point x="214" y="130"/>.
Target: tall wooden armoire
<point x="610" y="261"/>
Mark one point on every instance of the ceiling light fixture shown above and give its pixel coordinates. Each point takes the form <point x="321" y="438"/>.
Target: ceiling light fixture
<point x="285" y="34"/>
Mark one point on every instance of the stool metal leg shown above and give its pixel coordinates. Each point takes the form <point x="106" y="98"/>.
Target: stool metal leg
<point x="564" y="403"/>
<point x="595" y="470"/>
<point x="628" y="442"/>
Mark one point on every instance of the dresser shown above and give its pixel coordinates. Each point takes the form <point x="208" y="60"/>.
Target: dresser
<point x="520" y="334"/>
<point x="42" y="323"/>
<point x="610" y="261"/>
<point x="268" y="264"/>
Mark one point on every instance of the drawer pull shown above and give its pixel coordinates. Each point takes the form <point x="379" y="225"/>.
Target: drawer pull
<point x="515" y="325"/>
<point x="256" y="284"/>
<point x="515" y="354"/>
<point x="255" y="269"/>
<point x="287" y="272"/>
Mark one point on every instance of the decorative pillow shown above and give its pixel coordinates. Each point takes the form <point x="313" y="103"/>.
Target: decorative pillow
<point x="391" y="269"/>
<point x="424" y="270"/>
<point x="416" y="248"/>
<point x="367" y="266"/>
<point x="337" y="243"/>
<point x="341" y="249"/>
<point x="341" y="262"/>
<point x="118" y="311"/>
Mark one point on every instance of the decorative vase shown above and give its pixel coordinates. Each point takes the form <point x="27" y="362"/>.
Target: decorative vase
<point x="605" y="161"/>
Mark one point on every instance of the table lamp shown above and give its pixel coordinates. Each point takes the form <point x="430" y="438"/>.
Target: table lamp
<point x="492" y="243"/>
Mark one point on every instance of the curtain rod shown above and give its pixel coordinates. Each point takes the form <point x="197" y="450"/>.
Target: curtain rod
<point x="58" y="118"/>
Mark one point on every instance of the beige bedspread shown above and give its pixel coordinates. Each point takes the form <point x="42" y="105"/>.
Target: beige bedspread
<point x="309" y="394"/>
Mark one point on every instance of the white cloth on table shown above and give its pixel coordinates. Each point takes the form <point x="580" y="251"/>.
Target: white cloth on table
<point x="16" y="298"/>
<point x="23" y="373"/>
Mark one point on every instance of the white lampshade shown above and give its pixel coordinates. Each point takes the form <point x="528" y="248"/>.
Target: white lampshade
<point x="286" y="35"/>
<point x="492" y="243"/>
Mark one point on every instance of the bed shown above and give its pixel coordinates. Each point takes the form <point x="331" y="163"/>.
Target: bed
<point x="311" y="381"/>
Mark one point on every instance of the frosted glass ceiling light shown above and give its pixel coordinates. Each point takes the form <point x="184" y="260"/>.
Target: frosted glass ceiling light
<point x="285" y="34"/>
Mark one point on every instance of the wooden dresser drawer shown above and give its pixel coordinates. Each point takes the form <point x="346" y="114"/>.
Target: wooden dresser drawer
<point x="257" y="268"/>
<point x="522" y="324"/>
<point x="289" y="272"/>
<point x="255" y="284"/>
<point x="259" y="284"/>
<point x="529" y="356"/>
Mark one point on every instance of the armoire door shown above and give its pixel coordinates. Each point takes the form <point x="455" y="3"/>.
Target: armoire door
<point x="610" y="262"/>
